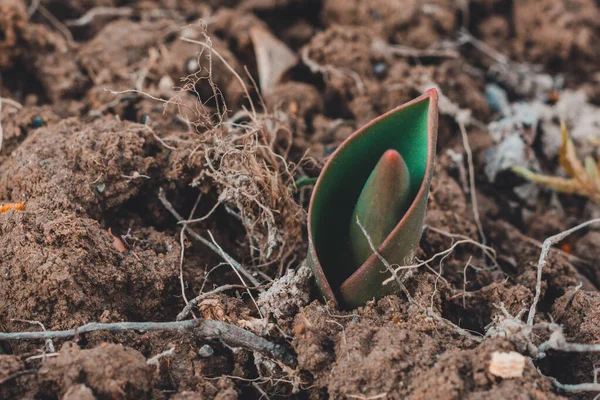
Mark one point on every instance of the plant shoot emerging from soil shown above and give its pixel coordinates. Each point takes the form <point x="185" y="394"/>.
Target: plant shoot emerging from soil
<point x="379" y="176"/>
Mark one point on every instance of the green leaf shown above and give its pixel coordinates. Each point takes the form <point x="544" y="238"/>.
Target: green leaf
<point x="411" y="131"/>
<point x="382" y="203"/>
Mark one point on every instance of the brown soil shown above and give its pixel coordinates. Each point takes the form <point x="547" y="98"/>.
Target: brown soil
<point x="95" y="243"/>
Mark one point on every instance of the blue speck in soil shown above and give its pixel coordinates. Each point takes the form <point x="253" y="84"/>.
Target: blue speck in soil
<point x="37" y="122"/>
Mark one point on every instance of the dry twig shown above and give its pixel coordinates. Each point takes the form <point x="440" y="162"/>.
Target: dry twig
<point x="156" y="359"/>
<point x="236" y="265"/>
<point x="18" y="374"/>
<point x="49" y="343"/>
<point x="56" y="23"/>
<point x="188" y="308"/>
<point x="465" y="140"/>
<point x="443" y="253"/>
<point x="542" y="263"/>
<point x="100" y="11"/>
<point x="204" y="328"/>
<point x="386" y="48"/>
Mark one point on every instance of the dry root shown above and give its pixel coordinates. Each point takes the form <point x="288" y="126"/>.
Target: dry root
<point x="243" y="158"/>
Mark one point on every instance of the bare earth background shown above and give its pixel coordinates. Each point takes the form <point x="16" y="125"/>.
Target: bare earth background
<point x="116" y="115"/>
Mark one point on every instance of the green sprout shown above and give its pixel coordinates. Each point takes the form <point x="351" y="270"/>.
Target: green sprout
<point x="379" y="176"/>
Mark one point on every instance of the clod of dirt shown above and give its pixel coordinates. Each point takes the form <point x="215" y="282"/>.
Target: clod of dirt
<point x="225" y="308"/>
<point x="62" y="269"/>
<point x="88" y="167"/>
<point x="39" y="50"/>
<point x="198" y="63"/>
<point x="520" y="261"/>
<point x="13" y="19"/>
<point x="449" y="212"/>
<point x="18" y="387"/>
<point x="546" y="223"/>
<point x="463" y="374"/>
<point x="578" y="312"/>
<point x="54" y="63"/>
<point x="411" y="22"/>
<point x="462" y="88"/>
<point x="287" y="295"/>
<point x="379" y="348"/>
<point x="97" y="55"/>
<point x="134" y="41"/>
<point x="328" y="135"/>
<point x="565" y="33"/>
<point x="375" y="360"/>
<point x="109" y="370"/>
<point x="448" y="209"/>
<point x="345" y="55"/>
<point x="482" y="306"/>
<point x="364" y="80"/>
<point x="79" y="392"/>
<point x="185" y="368"/>
<point x="495" y="30"/>
<point x="588" y="248"/>
<point x="296" y="99"/>
<point x="17" y="123"/>
<point x="234" y="26"/>
<point x="221" y="389"/>
<point x="350" y="65"/>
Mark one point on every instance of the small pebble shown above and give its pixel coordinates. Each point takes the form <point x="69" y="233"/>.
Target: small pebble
<point x="165" y="85"/>
<point x="507" y="365"/>
<point x="380" y="69"/>
<point x="206" y="351"/>
<point x="192" y="66"/>
<point x="497" y="98"/>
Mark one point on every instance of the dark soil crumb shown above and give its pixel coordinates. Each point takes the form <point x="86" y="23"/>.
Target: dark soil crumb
<point x="12" y="23"/>
<point x="133" y="42"/>
<point x="558" y="275"/>
<point x="221" y="389"/>
<point x="88" y="168"/>
<point x="579" y="313"/>
<point x="13" y="385"/>
<point x="17" y="123"/>
<point x="63" y="269"/>
<point x="108" y="371"/>
<point x="81" y="392"/>
<point x="553" y="32"/>
<point x="408" y="22"/>
<point x="463" y="374"/>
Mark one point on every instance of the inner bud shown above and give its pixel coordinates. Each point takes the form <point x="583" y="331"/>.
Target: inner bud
<point x="381" y="205"/>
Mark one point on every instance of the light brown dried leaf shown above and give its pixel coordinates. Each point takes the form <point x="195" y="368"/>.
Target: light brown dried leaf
<point x="584" y="177"/>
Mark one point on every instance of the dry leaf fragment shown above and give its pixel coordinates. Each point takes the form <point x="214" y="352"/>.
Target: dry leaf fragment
<point x="507" y="365"/>
<point x="273" y="58"/>
<point x="117" y="242"/>
<point x="4" y="207"/>
<point x="584" y="177"/>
